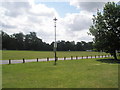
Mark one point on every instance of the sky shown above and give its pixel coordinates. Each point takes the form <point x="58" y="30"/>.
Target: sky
<point x="74" y="18"/>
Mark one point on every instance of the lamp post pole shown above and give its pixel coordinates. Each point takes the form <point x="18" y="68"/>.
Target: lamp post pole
<point x="55" y="44"/>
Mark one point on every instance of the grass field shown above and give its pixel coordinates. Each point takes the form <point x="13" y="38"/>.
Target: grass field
<point x="43" y="54"/>
<point x="87" y="73"/>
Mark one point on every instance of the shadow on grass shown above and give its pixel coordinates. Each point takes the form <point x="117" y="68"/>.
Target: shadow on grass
<point x="111" y="61"/>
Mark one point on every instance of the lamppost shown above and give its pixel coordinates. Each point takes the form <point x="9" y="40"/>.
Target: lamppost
<point x="55" y="44"/>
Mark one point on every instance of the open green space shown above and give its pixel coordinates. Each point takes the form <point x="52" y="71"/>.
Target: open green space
<point x="87" y="73"/>
<point x="13" y="54"/>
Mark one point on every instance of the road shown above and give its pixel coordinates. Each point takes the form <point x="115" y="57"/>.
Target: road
<point x="45" y="59"/>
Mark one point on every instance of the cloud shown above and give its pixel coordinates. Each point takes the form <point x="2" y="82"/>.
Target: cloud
<point x="87" y="6"/>
<point x="25" y="16"/>
<point x="78" y="21"/>
<point x="15" y="9"/>
<point x="31" y="17"/>
<point x="75" y="26"/>
<point x="7" y="26"/>
<point x="90" y="5"/>
<point x="42" y="10"/>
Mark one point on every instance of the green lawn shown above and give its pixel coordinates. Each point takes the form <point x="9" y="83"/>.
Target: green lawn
<point x="43" y="54"/>
<point x="87" y="73"/>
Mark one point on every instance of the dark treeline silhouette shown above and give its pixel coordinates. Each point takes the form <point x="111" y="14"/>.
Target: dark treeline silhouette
<point x="19" y="41"/>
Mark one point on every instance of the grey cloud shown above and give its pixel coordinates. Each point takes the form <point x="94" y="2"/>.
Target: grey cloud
<point x="34" y="19"/>
<point x="80" y="22"/>
<point x="15" y="8"/>
<point x="3" y="25"/>
<point x="89" y="6"/>
<point x="85" y="38"/>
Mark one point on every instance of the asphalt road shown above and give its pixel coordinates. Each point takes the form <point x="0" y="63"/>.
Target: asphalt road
<point x="45" y="59"/>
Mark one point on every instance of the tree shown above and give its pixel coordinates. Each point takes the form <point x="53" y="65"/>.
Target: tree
<point x="19" y="41"/>
<point x="61" y="46"/>
<point x="0" y="40"/>
<point x="32" y="42"/>
<point x="78" y="46"/>
<point x="5" y="40"/>
<point x="106" y="29"/>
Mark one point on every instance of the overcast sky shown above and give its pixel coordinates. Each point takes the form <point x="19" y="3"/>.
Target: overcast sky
<point x="74" y="18"/>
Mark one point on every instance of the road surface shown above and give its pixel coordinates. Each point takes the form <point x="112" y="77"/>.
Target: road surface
<point x="45" y="59"/>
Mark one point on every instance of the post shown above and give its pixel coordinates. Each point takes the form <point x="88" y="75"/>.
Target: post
<point x="95" y="56"/>
<point x="82" y="57"/>
<point x="76" y="57"/>
<point x="55" y="44"/>
<point x="47" y="58"/>
<point x="23" y="60"/>
<point x="37" y="59"/>
<point x="71" y="57"/>
<point x="86" y="57"/>
<point x="9" y="61"/>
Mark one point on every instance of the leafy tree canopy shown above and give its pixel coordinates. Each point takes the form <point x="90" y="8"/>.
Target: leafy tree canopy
<point x="106" y="29"/>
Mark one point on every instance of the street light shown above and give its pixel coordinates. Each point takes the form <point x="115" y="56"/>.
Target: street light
<point x="55" y="44"/>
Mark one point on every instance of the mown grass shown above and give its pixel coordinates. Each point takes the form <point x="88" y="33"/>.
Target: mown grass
<point x="6" y="54"/>
<point x="87" y="73"/>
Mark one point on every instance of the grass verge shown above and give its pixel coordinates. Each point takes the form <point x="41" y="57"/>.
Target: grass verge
<point x="87" y="73"/>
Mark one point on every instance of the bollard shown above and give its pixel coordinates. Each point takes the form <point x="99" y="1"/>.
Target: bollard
<point x="47" y="58"/>
<point x="95" y="56"/>
<point x="37" y="59"/>
<point x="71" y="57"/>
<point x="86" y="57"/>
<point x="23" y="60"/>
<point x="9" y="61"/>
<point x="82" y="57"/>
<point x="64" y="58"/>
<point x="76" y="57"/>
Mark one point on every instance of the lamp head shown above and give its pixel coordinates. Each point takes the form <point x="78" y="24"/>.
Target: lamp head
<point x="55" y="19"/>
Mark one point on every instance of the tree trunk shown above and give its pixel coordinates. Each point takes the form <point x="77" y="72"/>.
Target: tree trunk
<point x="115" y="55"/>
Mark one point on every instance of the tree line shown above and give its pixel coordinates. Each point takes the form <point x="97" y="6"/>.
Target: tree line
<point x="30" y="41"/>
